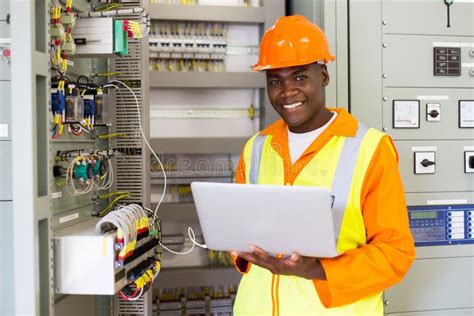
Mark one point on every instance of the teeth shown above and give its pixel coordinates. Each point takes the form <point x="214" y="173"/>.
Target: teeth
<point x="292" y="106"/>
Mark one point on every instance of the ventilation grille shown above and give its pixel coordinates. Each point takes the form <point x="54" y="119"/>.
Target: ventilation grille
<point x="130" y="173"/>
<point x="135" y="308"/>
<point x="129" y="164"/>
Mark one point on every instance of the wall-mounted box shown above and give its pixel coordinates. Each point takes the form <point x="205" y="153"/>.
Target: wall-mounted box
<point x="86" y="262"/>
<point x="100" y="38"/>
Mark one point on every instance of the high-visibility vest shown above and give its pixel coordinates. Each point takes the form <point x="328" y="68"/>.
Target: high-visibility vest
<point x="340" y="166"/>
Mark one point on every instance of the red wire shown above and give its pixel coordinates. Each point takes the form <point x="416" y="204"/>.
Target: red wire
<point x="76" y="133"/>
<point x="127" y="298"/>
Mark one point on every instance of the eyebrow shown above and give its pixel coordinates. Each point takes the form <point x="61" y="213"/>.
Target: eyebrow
<point x="297" y="71"/>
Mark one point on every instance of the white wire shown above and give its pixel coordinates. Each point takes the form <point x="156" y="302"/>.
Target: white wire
<point x="192" y="237"/>
<point x="136" y="297"/>
<point x="149" y="147"/>
<point x="191" y="234"/>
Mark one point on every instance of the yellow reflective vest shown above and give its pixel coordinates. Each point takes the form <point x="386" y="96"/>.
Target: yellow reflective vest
<point x="340" y="166"/>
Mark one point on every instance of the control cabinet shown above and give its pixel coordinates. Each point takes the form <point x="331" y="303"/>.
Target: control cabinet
<point x="417" y="61"/>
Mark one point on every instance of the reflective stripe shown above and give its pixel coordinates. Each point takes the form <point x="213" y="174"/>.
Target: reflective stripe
<point x="257" y="150"/>
<point x="341" y="184"/>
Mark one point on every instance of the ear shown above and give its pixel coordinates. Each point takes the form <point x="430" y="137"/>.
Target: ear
<point x="325" y="75"/>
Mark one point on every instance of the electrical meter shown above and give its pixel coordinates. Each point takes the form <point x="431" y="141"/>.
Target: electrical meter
<point x="466" y="113"/>
<point x="406" y="114"/>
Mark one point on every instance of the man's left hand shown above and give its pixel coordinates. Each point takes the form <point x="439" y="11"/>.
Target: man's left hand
<point x="297" y="265"/>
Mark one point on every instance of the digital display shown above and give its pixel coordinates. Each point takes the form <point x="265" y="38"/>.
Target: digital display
<point x="423" y="215"/>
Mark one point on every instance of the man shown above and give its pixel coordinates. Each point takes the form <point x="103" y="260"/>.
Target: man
<point x="313" y="145"/>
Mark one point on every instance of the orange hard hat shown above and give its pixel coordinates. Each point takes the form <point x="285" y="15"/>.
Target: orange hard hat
<point x="292" y="41"/>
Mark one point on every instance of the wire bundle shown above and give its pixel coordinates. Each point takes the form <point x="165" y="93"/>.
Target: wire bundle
<point x="58" y="111"/>
<point x="85" y="170"/>
<point x="130" y="221"/>
<point x="136" y="29"/>
<point x="117" y="196"/>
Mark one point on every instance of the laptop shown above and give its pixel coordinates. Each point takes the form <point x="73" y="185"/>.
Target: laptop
<point x="278" y="219"/>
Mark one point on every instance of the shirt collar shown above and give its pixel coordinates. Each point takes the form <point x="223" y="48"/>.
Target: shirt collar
<point x="344" y="125"/>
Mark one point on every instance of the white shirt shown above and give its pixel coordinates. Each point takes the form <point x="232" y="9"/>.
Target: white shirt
<point x="299" y="142"/>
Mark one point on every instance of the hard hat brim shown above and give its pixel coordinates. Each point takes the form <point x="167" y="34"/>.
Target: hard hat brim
<point x="292" y="63"/>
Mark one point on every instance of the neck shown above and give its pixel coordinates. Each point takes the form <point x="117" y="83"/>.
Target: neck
<point x="321" y="118"/>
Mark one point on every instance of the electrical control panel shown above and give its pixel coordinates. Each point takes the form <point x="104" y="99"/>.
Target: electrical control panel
<point x="442" y="225"/>
<point x="418" y="88"/>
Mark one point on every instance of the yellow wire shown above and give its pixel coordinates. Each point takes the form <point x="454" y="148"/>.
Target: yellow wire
<point x="109" y="74"/>
<point x="107" y="195"/>
<point x="111" y="204"/>
<point x="113" y="135"/>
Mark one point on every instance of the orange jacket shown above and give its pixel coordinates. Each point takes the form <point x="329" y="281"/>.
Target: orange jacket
<point x="389" y="251"/>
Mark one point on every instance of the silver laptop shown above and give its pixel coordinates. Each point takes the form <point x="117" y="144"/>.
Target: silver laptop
<point x="278" y="219"/>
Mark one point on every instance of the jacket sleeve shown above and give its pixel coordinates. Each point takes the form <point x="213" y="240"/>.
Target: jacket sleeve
<point x="389" y="251"/>
<point x="240" y="264"/>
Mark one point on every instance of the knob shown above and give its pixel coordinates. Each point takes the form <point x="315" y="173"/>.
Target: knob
<point x="434" y="114"/>
<point x="426" y="163"/>
<point x="449" y="236"/>
<point x="471" y="162"/>
<point x="386" y="302"/>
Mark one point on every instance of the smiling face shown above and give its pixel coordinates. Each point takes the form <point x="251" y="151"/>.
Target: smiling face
<point x="297" y="94"/>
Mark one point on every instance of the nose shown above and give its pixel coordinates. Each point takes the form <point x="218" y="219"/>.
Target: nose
<point x="288" y="89"/>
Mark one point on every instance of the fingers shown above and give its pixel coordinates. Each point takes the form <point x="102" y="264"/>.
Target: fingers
<point x="247" y="256"/>
<point x="295" y="257"/>
<point x="260" y="253"/>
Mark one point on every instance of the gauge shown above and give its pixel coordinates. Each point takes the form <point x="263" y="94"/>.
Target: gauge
<point x="406" y="113"/>
<point x="466" y="113"/>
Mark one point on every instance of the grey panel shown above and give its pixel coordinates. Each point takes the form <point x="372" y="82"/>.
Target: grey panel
<point x="198" y="276"/>
<point x="427" y="17"/>
<point x="5" y="112"/>
<point x="408" y="62"/>
<point x="4" y="9"/>
<point x="199" y="145"/>
<point x="366" y="62"/>
<point x="4" y="26"/>
<point x="207" y="13"/>
<point x="4" y="70"/>
<point x="447" y="197"/>
<point x="4" y="33"/>
<point x="162" y="79"/>
<point x="434" y="284"/>
<point x="449" y="174"/>
<point x="450" y="312"/>
<point x="437" y="252"/>
<point x="5" y="170"/>
<point x="446" y="128"/>
<point x="6" y="263"/>
<point x="74" y="305"/>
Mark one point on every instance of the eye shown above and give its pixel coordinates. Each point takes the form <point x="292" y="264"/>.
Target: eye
<point x="300" y="78"/>
<point x="274" y="82"/>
